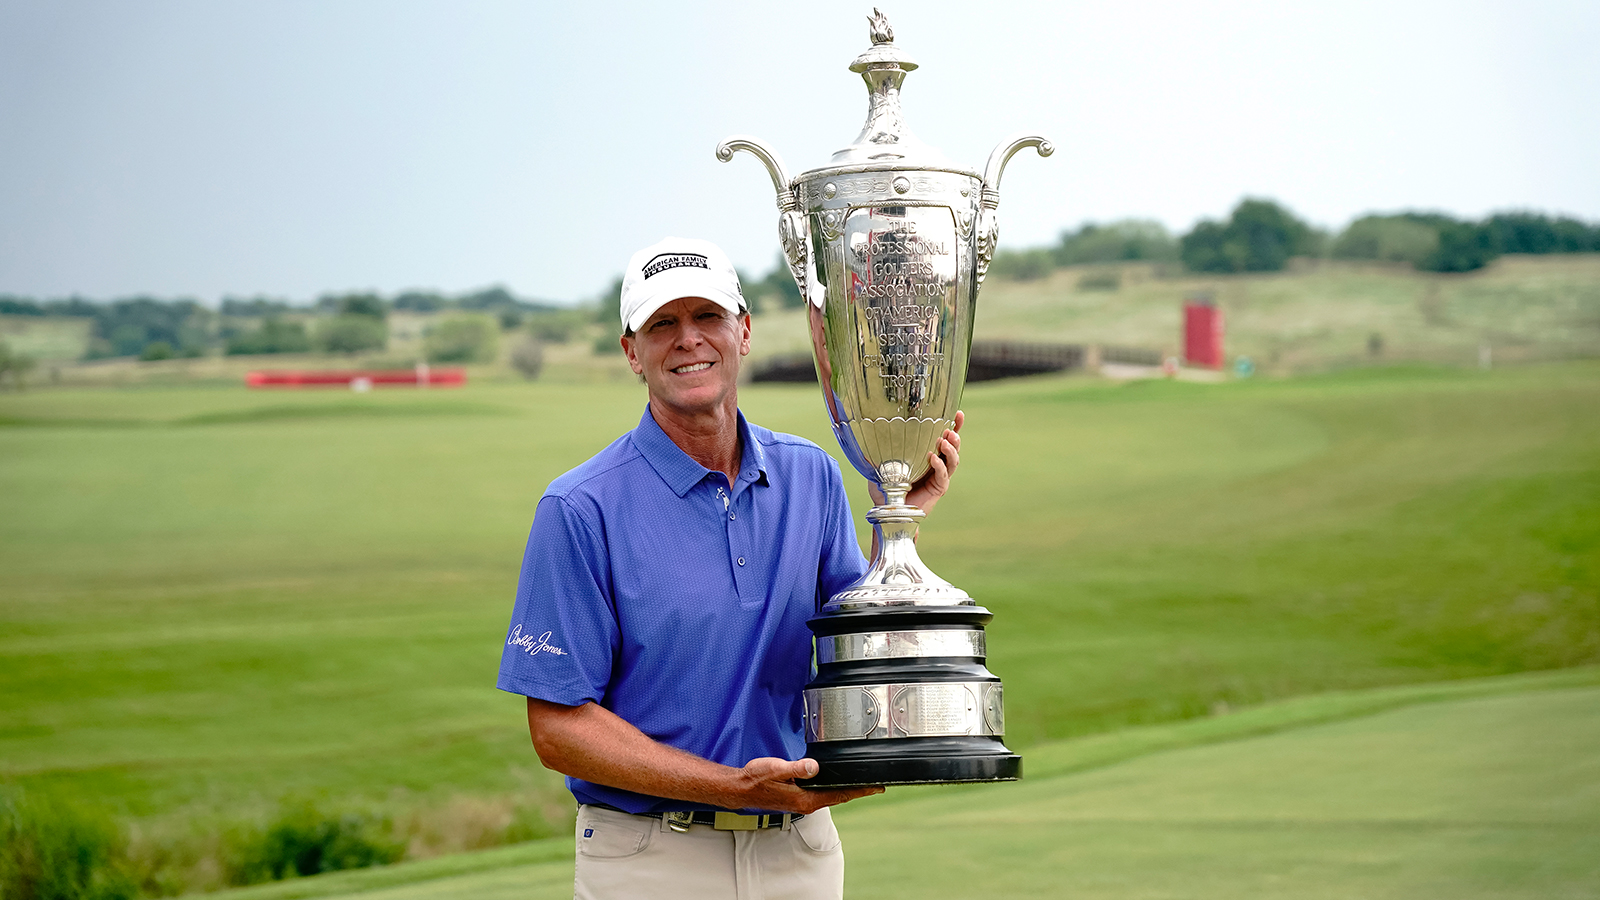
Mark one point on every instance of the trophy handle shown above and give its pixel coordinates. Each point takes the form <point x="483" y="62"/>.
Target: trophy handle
<point x="1002" y="154"/>
<point x="988" y="220"/>
<point x="792" y="229"/>
<point x="769" y="158"/>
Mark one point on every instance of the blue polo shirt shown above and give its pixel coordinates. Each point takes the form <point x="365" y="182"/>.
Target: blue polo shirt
<point x="654" y="588"/>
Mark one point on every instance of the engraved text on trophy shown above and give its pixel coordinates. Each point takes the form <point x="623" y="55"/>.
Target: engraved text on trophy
<point x="901" y="262"/>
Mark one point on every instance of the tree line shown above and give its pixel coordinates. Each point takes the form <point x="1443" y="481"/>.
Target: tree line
<point x="1258" y="236"/>
<point x="151" y="328"/>
<point x="1261" y="236"/>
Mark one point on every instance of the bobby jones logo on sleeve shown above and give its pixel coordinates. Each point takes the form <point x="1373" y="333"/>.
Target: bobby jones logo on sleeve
<point x="533" y="645"/>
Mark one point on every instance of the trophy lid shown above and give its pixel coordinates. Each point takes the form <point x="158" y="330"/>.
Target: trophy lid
<point x="885" y="141"/>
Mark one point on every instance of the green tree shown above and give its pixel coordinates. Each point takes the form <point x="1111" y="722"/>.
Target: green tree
<point x="421" y="301"/>
<point x="1124" y="240"/>
<point x="462" y="339"/>
<point x="608" y="305"/>
<point x="1463" y="246"/>
<point x="1022" y="265"/>
<point x="351" y="334"/>
<point x="16" y="365"/>
<point x="489" y="299"/>
<point x="555" y="326"/>
<point x="1389" y="238"/>
<point x="776" y="288"/>
<point x="1528" y="232"/>
<point x="157" y="350"/>
<point x="255" y="307"/>
<point x="274" y="336"/>
<point x="128" y="327"/>
<point x="1259" y="236"/>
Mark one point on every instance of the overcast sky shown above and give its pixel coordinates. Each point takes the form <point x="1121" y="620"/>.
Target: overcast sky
<point x="293" y="148"/>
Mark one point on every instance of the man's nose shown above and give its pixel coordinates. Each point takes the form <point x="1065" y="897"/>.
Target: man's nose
<point x="690" y="335"/>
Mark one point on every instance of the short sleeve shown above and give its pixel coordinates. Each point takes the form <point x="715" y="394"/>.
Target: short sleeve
<point x="563" y="631"/>
<point x="842" y="563"/>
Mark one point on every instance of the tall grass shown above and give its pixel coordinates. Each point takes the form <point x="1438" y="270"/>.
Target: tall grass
<point x="51" y="850"/>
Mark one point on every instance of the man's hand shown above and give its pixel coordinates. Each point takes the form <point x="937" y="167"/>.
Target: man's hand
<point x="769" y="784"/>
<point x="941" y="468"/>
<point x="595" y="744"/>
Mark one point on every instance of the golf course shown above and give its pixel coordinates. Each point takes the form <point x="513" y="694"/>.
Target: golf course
<point x="1328" y="635"/>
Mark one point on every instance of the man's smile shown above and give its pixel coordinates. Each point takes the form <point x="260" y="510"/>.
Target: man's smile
<point x="691" y="367"/>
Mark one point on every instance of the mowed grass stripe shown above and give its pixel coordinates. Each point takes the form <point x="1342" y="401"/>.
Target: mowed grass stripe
<point x="1479" y="788"/>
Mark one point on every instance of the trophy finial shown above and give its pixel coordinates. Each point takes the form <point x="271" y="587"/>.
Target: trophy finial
<point x="881" y="32"/>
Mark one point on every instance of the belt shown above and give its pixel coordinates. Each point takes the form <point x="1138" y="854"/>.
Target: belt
<point x="721" y="821"/>
<point x="726" y="821"/>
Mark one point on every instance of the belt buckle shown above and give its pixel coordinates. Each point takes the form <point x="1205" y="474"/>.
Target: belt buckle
<point x="679" y="821"/>
<point x="727" y="821"/>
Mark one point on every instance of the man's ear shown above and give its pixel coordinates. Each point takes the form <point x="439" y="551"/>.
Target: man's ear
<point x="633" y="358"/>
<point x="744" y="335"/>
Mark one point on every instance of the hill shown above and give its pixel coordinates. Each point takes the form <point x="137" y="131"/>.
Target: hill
<point x="216" y="600"/>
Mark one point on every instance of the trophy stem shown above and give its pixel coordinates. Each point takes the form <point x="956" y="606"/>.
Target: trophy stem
<point x="897" y="576"/>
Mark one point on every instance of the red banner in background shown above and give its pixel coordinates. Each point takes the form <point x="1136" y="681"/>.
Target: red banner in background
<point x="356" y="379"/>
<point x="1202" y="335"/>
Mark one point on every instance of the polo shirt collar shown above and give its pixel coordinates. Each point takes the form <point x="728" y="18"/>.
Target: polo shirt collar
<point x="679" y="470"/>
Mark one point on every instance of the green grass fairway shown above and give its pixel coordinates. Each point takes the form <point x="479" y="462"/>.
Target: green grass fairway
<point x="1494" y="796"/>
<point x="1484" y="798"/>
<point x="213" y="599"/>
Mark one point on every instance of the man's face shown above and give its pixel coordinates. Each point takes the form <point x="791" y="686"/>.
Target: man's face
<point x="689" y="353"/>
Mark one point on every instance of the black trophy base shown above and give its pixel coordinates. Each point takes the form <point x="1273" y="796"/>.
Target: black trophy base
<point x="911" y="761"/>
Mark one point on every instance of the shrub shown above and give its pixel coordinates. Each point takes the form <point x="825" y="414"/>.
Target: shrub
<point x="51" y="851"/>
<point x="351" y="334"/>
<point x="304" y="840"/>
<point x="527" y="357"/>
<point x="462" y="339"/>
<point x="1104" y="280"/>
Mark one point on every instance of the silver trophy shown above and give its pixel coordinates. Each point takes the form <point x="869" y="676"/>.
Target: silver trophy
<point x="889" y="243"/>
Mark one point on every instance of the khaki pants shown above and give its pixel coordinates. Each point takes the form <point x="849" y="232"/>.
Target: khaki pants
<point x="622" y="856"/>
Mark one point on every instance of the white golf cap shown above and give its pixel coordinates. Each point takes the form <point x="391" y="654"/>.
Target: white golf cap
<point x="675" y="268"/>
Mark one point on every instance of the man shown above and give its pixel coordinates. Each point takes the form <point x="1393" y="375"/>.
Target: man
<point x="659" y="629"/>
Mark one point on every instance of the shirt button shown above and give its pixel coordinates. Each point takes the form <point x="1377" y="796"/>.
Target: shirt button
<point x="733" y="515"/>
<point x="741" y="560"/>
